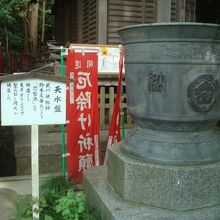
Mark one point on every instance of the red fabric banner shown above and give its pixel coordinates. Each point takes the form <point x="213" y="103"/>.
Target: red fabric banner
<point x="83" y="134"/>
<point x="114" y="135"/>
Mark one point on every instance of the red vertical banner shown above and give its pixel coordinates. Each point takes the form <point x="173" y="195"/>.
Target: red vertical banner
<point x="83" y="134"/>
<point x="114" y="134"/>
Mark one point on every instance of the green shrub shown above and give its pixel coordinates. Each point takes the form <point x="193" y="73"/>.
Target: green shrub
<point x="24" y="208"/>
<point x="52" y="190"/>
<point x="58" y="201"/>
<point x="71" y="206"/>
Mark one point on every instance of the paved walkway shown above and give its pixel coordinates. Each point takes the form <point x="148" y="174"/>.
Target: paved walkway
<point x="7" y="207"/>
<point x="10" y="188"/>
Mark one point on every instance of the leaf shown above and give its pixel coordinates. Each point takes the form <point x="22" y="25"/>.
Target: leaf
<point x="48" y="217"/>
<point x="36" y="210"/>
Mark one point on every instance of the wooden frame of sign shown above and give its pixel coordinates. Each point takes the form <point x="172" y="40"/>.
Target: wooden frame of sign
<point x="33" y="99"/>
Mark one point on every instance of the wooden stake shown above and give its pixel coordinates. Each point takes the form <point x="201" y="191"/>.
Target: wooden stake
<point x="163" y="11"/>
<point x="43" y="20"/>
<point x="34" y="28"/>
<point x="35" y="169"/>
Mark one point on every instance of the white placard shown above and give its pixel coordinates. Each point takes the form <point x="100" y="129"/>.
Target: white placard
<point x="33" y="102"/>
<point x="108" y="56"/>
<point x="108" y="59"/>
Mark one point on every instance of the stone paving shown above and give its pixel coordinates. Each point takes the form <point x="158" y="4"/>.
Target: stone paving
<point x="7" y="207"/>
<point x="10" y="188"/>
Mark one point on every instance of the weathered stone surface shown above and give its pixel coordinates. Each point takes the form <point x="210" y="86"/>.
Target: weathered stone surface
<point x="173" y="84"/>
<point x="47" y="164"/>
<point x="7" y="203"/>
<point x="7" y="158"/>
<point x="170" y="187"/>
<point x="102" y="197"/>
<point x="49" y="149"/>
<point x="172" y="147"/>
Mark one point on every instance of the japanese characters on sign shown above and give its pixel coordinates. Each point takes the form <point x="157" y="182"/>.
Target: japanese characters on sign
<point x="33" y="102"/>
<point x="83" y="127"/>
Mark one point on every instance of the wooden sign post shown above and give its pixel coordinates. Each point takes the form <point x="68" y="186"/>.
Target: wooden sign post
<point x="33" y="99"/>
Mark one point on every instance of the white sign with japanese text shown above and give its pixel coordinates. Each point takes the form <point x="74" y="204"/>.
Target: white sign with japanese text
<point x="33" y="102"/>
<point x="108" y="56"/>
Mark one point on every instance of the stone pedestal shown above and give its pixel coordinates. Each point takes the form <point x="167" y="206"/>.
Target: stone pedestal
<point x="133" y="190"/>
<point x="179" y="188"/>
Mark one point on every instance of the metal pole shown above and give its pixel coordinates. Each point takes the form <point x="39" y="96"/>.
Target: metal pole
<point x="62" y="73"/>
<point x="122" y="93"/>
<point x="35" y="169"/>
<point x="122" y="111"/>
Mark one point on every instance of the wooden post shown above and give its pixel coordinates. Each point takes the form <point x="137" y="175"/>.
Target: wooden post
<point x="181" y="10"/>
<point x="111" y="102"/>
<point x="35" y="169"/>
<point x="26" y="28"/>
<point x="143" y="11"/>
<point x="102" y="106"/>
<point x="102" y="21"/>
<point x="79" y="21"/>
<point x="34" y="28"/>
<point x="43" y="20"/>
<point x="163" y="10"/>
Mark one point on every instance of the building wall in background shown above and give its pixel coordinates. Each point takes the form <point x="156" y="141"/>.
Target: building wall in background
<point x="97" y="21"/>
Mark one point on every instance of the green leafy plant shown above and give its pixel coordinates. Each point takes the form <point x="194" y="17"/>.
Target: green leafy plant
<point x="71" y="206"/>
<point x="52" y="190"/>
<point x="58" y="201"/>
<point x="24" y="208"/>
<point x="91" y="214"/>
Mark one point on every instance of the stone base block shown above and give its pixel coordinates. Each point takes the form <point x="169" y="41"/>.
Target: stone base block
<point x="110" y="206"/>
<point x="49" y="158"/>
<point x="178" y="188"/>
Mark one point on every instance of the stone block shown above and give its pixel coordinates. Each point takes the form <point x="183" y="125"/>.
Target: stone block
<point x="178" y="188"/>
<point x="7" y="158"/>
<point x="49" y="158"/>
<point x="110" y="206"/>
